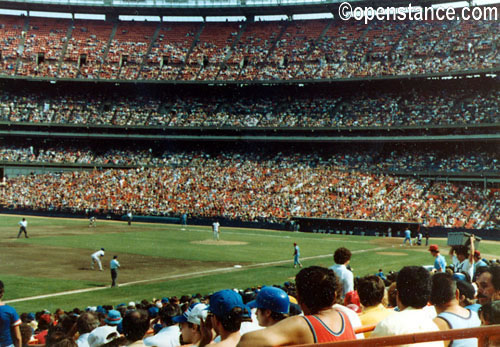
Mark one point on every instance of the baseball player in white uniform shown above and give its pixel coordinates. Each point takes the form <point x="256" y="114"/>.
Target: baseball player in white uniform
<point x="23" y="226"/>
<point x="96" y="258"/>
<point x="215" y="229"/>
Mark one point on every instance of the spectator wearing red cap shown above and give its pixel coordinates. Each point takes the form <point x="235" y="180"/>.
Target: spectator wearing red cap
<point x="44" y="322"/>
<point x="478" y="261"/>
<point x="439" y="262"/>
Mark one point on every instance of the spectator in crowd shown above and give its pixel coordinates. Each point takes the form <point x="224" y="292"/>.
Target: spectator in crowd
<point x="413" y="293"/>
<point x="135" y="326"/>
<point x="103" y="335"/>
<point x="44" y="323"/>
<point x="227" y="313"/>
<point x="113" y="318"/>
<point x="342" y="258"/>
<point x="57" y="338"/>
<point x="478" y="262"/>
<point x="85" y="323"/>
<point x="273" y="305"/>
<point x="10" y="334"/>
<point x="490" y="314"/>
<point x="463" y="259"/>
<point x="467" y="295"/>
<point x="440" y="261"/>
<point x="169" y="335"/>
<point x="26" y="333"/>
<point x="316" y="294"/>
<point x="450" y="315"/>
<point x="488" y="285"/>
<point x="190" y="323"/>
<point x="371" y="291"/>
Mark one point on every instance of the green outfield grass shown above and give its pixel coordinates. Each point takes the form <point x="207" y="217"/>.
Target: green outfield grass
<point x="163" y="260"/>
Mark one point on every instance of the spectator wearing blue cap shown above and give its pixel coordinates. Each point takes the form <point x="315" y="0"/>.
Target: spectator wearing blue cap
<point x="227" y="312"/>
<point x="273" y="305"/>
<point x="113" y="318"/>
<point x="169" y="335"/>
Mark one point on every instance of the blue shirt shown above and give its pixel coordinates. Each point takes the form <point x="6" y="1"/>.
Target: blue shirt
<point x="440" y="263"/>
<point x="114" y="264"/>
<point x="8" y="319"/>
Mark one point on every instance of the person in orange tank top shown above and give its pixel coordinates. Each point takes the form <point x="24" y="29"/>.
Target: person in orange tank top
<point x="316" y="294"/>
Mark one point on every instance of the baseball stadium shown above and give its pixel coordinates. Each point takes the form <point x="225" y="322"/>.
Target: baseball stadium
<point x="155" y="153"/>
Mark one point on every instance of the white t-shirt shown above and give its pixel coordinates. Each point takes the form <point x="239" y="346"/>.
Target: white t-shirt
<point x="23" y="223"/>
<point x="408" y="321"/>
<point x="464" y="266"/>
<point x="166" y="337"/>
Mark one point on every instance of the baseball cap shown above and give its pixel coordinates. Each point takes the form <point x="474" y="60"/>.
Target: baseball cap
<point x="223" y="301"/>
<point x="153" y="311"/>
<point x="113" y="318"/>
<point x="164" y="300"/>
<point x="459" y="276"/>
<point x="271" y="298"/>
<point x="477" y="253"/>
<point x="434" y="248"/>
<point x="194" y="314"/>
<point x="46" y="317"/>
<point x="102" y="335"/>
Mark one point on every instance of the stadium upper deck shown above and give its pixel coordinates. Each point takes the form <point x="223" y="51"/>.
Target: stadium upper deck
<point x="247" y="51"/>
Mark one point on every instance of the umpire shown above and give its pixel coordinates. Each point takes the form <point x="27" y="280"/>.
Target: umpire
<point x="23" y="225"/>
<point x="114" y="265"/>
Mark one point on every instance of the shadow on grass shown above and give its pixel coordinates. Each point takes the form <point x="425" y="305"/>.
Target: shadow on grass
<point x="96" y="285"/>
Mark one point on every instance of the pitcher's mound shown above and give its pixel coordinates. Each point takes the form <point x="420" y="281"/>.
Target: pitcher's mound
<point x="220" y="243"/>
<point x="392" y="253"/>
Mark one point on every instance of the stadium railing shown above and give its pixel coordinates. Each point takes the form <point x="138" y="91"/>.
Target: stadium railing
<point x="482" y="333"/>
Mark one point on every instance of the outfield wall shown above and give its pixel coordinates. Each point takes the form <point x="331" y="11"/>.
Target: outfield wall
<point x="381" y="228"/>
<point x="314" y="225"/>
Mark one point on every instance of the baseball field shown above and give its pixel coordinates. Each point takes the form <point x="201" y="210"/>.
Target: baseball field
<point x="51" y="268"/>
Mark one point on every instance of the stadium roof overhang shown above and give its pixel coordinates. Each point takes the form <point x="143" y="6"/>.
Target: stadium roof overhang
<point x="186" y="8"/>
